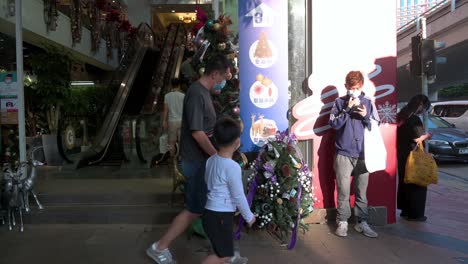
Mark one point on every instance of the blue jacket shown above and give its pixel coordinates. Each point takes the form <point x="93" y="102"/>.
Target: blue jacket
<point x="350" y="126"/>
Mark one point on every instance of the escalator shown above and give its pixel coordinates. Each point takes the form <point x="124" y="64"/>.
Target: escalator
<point x="137" y="83"/>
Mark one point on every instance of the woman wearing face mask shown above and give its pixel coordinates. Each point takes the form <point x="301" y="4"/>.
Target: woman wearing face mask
<point x="411" y="198"/>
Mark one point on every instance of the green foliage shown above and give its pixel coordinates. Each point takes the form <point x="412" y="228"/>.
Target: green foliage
<point x="36" y="120"/>
<point x="455" y="91"/>
<point x="89" y="104"/>
<point x="281" y="176"/>
<point x="52" y="68"/>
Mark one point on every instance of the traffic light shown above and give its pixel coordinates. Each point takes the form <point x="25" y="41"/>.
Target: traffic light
<point x="429" y="59"/>
<point x="415" y="63"/>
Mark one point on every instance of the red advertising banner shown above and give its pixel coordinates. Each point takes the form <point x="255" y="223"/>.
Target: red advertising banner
<point x="346" y="36"/>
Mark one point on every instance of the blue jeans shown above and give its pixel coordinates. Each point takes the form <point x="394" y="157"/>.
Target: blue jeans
<point x="195" y="186"/>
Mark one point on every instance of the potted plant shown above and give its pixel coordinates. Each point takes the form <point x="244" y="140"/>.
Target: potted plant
<point x="52" y="69"/>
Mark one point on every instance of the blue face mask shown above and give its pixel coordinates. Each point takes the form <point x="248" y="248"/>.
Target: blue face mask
<point x="220" y="86"/>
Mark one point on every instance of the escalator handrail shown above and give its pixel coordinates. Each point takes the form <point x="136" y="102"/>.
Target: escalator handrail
<point x="143" y="41"/>
<point x="167" y="72"/>
<point x="105" y="137"/>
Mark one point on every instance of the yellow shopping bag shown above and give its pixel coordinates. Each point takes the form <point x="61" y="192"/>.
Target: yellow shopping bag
<point x="421" y="168"/>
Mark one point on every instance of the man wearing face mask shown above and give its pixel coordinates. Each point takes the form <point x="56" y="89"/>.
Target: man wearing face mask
<point x="349" y="117"/>
<point x="198" y="121"/>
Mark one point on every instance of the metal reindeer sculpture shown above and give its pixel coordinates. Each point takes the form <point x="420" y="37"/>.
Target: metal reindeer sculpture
<point x="16" y="188"/>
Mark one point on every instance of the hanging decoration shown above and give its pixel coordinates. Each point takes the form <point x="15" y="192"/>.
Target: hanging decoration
<point x="125" y="29"/>
<point x="94" y="16"/>
<point x="111" y="33"/>
<point x="75" y="17"/>
<point x="51" y="14"/>
<point x="202" y="17"/>
<point x="280" y="188"/>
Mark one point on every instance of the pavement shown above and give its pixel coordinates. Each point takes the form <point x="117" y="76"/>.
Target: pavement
<point x="442" y="239"/>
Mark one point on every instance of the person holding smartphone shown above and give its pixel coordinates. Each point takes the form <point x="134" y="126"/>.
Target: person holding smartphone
<point x="349" y="116"/>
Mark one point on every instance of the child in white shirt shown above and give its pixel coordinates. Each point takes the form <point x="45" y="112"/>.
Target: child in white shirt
<point x="225" y="193"/>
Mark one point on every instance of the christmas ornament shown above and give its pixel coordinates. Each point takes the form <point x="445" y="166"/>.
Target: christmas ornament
<point x="266" y="208"/>
<point x="221" y="46"/>
<point x="201" y="71"/>
<point x="216" y="26"/>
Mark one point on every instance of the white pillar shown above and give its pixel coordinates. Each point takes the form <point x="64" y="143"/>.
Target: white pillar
<point x="216" y="8"/>
<point x="20" y="80"/>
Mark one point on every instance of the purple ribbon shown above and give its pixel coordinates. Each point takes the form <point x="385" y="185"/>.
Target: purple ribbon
<point x="250" y="195"/>
<point x="292" y="243"/>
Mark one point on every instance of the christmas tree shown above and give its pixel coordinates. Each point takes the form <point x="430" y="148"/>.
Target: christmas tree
<point x="212" y="39"/>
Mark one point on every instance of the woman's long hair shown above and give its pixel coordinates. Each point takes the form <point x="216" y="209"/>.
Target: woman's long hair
<point x="412" y="107"/>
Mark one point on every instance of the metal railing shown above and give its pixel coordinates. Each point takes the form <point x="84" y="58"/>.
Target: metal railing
<point x="408" y="15"/>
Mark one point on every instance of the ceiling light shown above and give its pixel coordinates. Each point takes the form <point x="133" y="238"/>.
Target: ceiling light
<point x="187" y="18"/>
<point x="82" y="83"/>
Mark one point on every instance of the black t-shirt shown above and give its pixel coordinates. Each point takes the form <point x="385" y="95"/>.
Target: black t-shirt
<point x="198" y="114"/>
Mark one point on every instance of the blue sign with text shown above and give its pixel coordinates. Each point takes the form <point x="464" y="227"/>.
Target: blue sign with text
<point x="263" y="64"/>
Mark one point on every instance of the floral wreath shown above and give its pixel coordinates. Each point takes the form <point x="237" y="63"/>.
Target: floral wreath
<point x="280" y="188"/>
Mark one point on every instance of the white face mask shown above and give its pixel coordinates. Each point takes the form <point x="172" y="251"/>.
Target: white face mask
<point x="354" y="93"/>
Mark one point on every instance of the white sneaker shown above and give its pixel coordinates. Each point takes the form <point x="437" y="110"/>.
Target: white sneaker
<point x="161" y="257"/>
<point x="365" y="229"/>
<point x="342" y="229"/>
<point x="238" y="260"/>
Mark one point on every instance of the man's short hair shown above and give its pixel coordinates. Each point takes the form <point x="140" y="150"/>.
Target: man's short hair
<point x="189" y="54"/>
<point x="217" y="63"/>
<point x="353" y="78"/>
<point x="175" y="82"/>
<point x="226" y="131"/>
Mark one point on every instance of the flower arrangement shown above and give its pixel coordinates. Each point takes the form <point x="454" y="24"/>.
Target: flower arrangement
<point x="280" y="187"/>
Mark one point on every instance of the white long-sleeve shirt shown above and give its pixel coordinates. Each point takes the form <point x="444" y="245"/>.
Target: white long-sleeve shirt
<point x="225" y="190"/>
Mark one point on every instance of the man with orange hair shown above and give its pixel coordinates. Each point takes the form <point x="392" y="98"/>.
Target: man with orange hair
<point x="349" y="117"/>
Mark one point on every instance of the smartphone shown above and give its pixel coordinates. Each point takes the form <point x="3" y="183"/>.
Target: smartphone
<point x="357" y="108"/>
